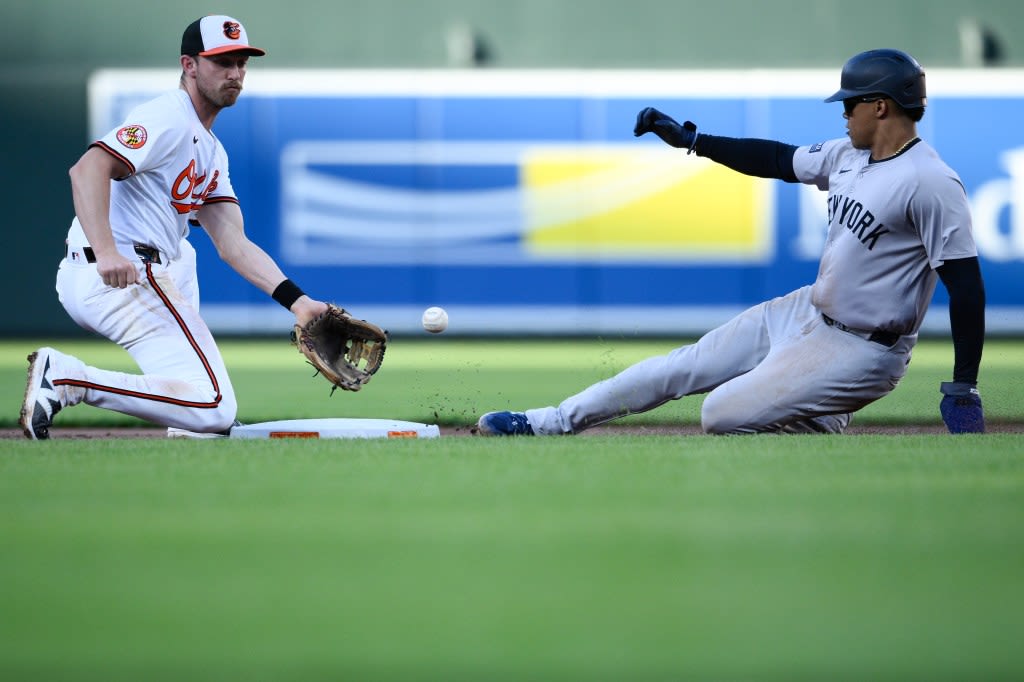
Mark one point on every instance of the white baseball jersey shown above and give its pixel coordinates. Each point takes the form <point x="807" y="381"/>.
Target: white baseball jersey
<point x="891" y="223"/>
<point x="176" y="165"/>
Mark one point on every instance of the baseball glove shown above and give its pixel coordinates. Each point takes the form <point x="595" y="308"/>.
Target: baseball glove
<point x="346" y="351"/>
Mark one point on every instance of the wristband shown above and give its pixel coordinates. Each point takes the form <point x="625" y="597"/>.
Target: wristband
<point x="286" y="293"/>
<point x="958" y="388"/>
<point x="692" y="127"/>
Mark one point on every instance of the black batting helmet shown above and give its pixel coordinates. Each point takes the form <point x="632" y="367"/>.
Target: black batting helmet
<point x="892" y="73"/>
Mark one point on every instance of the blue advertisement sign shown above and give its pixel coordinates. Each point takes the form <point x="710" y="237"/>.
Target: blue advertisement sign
<point x="521" y="202"/>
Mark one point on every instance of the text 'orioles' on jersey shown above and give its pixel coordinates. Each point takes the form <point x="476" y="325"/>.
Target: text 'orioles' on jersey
<point x="164" y="196"/>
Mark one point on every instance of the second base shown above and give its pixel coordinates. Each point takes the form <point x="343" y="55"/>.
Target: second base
<point x="336" y="428"/>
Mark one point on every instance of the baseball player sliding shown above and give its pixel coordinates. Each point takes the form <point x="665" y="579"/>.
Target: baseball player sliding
<point x="804" y="362"/>
<point x="130" y="274"/>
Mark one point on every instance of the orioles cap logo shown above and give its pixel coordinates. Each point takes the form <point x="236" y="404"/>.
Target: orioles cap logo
<point x="232" y="30"/>
<point x="132" y="137"/>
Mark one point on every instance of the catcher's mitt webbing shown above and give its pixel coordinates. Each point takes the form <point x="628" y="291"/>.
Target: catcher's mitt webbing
<point x="346" y="351"/>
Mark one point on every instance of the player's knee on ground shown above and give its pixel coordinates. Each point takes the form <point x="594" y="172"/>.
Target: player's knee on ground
<point x="717" y="417"/>
<point x="224" y="420"/>
<point x="211" y="420"/>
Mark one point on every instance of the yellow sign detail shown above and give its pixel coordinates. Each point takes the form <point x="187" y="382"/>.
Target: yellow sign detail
<point x="621" y="204"/>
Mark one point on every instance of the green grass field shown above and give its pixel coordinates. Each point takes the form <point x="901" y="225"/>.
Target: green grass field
<point x="452" y="381"/>
<point x="606" y="557"/>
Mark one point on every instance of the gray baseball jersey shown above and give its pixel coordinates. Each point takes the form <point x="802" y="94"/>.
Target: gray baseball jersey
<point x="891" y="223"/>
<point x="782" y="366"/>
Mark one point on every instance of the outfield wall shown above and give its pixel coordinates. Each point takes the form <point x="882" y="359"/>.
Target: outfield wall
<point x="521" y="202"/>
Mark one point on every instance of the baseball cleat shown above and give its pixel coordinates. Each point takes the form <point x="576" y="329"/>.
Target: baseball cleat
<point x="505" y="424"/>
<point x="41" y="402"/>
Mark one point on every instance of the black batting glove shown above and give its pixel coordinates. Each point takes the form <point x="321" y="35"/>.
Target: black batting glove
<point x="650" y="120"/>
<point x="961" y="407"/>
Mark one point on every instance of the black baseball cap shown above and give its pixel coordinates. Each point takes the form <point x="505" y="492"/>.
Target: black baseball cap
<point x="217" y="34"/>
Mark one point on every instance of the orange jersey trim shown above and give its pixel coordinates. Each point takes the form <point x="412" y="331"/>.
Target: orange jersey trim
<point x="152" y="396"/>
<point x="117" y="155"/>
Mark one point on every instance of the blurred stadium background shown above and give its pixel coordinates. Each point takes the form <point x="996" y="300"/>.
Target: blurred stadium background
<point x="52" y="48"/>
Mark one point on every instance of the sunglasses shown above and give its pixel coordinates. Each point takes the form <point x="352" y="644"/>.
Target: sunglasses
<point x="850" y="103"/>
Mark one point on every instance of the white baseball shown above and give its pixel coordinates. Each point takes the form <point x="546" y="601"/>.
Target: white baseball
<point x="435" y="320"/>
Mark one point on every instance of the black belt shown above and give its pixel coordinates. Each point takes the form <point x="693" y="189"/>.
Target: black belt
<point x="887" y="339"/>
<point x="147" y="254"/>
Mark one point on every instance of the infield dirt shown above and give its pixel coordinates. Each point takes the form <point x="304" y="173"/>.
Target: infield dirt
<point x="468" y="431"/>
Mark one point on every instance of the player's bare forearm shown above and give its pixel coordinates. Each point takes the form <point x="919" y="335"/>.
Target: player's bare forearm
<point x="90" y="191"/>
<point x="251" y="262"/>
<point x="223" y="222"/>
<point x="256" y="266"/>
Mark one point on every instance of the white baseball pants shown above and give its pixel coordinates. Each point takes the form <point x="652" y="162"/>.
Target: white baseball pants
<point x="184" y="383"/>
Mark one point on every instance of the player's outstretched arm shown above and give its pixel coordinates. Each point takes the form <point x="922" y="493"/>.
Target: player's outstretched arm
<point x="223" y="222"/>
<point x="650" y="120"/>
<point x="960" y="406"/>
<point x="750" y="156"/>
